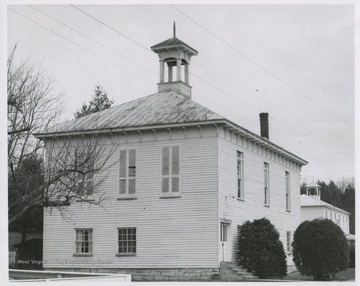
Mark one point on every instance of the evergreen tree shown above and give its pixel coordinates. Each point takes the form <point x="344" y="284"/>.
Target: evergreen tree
<point x="320" y="249"/>
<point x="260" y="250"/>
<point x="99" y="101"/>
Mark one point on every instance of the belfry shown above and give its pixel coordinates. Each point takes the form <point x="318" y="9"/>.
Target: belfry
<point x="174" y="53"/>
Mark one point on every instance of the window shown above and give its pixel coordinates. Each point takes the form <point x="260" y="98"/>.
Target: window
<point x="266" y="185"/>
<point x="223" y="232"/>
<point x="83" y="241"/>
<point x="127" y="241"/>
<point x="127" y="172"/>
<point x="170" y="172"/>
<point x="240" y="175"/>
<point x="287" y="190"/>
<point x="288" y="242"/>
<point x="84" y="163"/>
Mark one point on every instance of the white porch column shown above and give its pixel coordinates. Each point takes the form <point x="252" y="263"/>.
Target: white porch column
<point x="162" y="71"/>
<point x="170" y="76"/>
<point x="187" y="73"/>
<point x="178" y="65"/>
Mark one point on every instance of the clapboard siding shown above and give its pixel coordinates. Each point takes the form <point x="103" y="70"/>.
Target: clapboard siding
<point x="252" y="207"/>
<point x="171" y="232"/>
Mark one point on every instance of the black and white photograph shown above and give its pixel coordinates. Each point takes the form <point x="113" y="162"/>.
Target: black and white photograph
<point x="182" y="142"/>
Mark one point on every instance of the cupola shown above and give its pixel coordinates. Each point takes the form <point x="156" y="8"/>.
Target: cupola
<point x="313" y="190"/>
<point x="174" y="53"/>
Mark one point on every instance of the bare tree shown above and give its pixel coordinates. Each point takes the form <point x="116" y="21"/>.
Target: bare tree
<point x="74" y="171"/>
<point x="31" y="107"/>
<point x="72" y="166"/>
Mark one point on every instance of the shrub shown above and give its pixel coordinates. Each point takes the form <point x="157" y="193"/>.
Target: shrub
<point x="260" y="250"/>
<point x="352" y="255"/>
<point x="320" y="249"/>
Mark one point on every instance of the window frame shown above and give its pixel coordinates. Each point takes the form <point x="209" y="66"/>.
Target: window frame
<point x="90" y="242"/>
<point x="240" y="175"/>
<point x="89" y="169"/>
<point x="266" y="172"/>
<point x="224" y="235"/>
<point x="170" y="176"/>
<point x="287" y="191"/>
<point x="127" y="178"/>
<point x="127" y="241"/>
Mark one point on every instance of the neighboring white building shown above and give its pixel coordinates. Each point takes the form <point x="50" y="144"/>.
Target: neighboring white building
<point x="181" y="182"/>
<point x="313" y="207"/>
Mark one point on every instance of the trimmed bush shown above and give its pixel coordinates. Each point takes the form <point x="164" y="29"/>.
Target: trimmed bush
<point x="260" y="250"/>
<point x="320" y="249"/>
<point x="352" y="255"/>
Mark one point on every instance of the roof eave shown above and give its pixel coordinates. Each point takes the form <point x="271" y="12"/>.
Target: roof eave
<point x="326" y="206"/>
<point x="263" y="141"/>
<point x="244" y="132"/>
<point x="125" y="129"/>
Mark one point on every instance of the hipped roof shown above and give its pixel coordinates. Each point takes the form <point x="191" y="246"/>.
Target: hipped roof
<point x="174" y="43"/>
<point x="159" y="110"/>
<point x="308" y="201"/>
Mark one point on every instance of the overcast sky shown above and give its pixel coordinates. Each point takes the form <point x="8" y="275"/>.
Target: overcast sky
<point x="295" y="62"/>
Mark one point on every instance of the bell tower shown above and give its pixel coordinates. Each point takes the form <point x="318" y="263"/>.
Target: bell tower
<point x="174" y="56"/>
<point x="313" y="190"/>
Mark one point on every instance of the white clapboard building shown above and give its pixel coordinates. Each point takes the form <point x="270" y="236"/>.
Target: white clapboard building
<point x="180" y="183"/>
<point x="312" y="207"/>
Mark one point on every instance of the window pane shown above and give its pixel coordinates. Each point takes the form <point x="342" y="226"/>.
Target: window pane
<point x="239" y="189"/>
<point x="121" y="247"/>
<point x="132" y="163"/>
<point x="165" y="185"/>
<point x="165" y="161"/>
<point x="127" y="240"/>
<point x="131" y="186"/>
<point x="265" y="178"/>
<point x="122" y="164"/>
<point x="132" y="171"/>
<point x="175" y="161"/>
<point x="122" y="186"/>
<point x="175" y="184"/>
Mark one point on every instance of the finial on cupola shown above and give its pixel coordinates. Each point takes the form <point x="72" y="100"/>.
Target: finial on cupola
<point x="174" y="30"/>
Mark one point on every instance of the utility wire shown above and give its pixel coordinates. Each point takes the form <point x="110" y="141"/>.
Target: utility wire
<point x="100" y="44"/>
<point x="262" y="67"/>
<point x="74" y="43"/>
<point x="111" y="28"/>
<point x="275" y="133"/>
<point x="273" y="118"/>
<point x="91" y="39"/>
<point x="208" y="83"/>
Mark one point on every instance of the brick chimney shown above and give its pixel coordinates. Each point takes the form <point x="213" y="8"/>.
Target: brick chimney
<point x="264" y="125"/>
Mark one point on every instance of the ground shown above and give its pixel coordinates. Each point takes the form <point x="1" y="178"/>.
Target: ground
<point x="347" y="275"/>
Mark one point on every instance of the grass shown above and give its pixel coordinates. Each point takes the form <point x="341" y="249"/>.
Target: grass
<point x="347" y="275"/>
